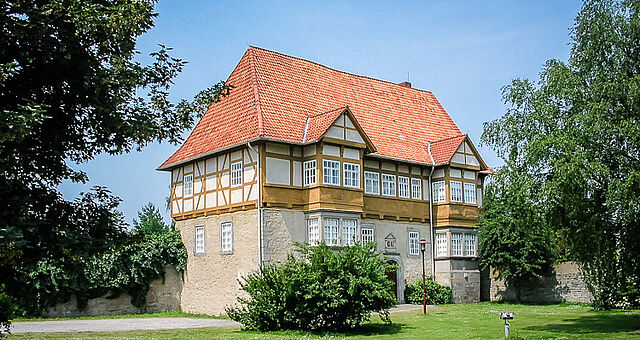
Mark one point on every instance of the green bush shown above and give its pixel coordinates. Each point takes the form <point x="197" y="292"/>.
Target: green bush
<point x="323" y="289"/>
<point x="437" y="294"/>
<point x="8" y="310"/>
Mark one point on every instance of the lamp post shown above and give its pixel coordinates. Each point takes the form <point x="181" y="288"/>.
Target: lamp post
<point x="423" y="247"/>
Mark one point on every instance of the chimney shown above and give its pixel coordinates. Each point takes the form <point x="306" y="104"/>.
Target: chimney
<point x="405" y="84"/>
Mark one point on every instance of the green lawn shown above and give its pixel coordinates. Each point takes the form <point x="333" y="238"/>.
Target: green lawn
<point x="470" y="321"/>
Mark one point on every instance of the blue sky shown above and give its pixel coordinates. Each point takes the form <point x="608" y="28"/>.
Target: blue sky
<point x="462" y="51"/>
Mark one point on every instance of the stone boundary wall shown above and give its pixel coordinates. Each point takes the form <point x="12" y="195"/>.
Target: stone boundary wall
<point x="163" y="296"/>
<point x="565" y="284"/>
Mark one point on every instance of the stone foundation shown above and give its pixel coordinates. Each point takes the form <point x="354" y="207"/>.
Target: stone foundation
<point x="163" y="296"/>
<point x="565" y="284"/>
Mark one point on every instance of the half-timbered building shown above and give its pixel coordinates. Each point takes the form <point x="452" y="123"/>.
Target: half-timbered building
<point x="299" y="152"/>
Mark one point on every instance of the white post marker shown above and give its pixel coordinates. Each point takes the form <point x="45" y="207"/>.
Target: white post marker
<point x="506" y="316"/>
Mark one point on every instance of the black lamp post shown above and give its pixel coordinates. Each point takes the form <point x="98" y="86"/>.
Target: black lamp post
<point x="423" y="247"/>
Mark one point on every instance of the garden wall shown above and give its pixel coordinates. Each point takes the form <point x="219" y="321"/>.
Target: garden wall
<point x="163" y="295"/>
<point x="564" y="284"/>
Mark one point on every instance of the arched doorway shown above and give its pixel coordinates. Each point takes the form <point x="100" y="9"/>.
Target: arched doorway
<point x="392" y="275"/>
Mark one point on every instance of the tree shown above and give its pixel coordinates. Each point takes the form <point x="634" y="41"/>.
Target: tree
<point x="71" y="88"/>
<point x="577" y="134"/>
<point x="514" y="237"/>
<point x="150" y="221"/>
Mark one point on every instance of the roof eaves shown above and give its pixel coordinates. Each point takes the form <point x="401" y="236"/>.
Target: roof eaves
<point x="191" y="159"/>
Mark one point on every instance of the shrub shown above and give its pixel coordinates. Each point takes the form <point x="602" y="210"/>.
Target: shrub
<point x="323" y="289"/>
<point x="437" y="294"/>
<point x="7" y="311"/>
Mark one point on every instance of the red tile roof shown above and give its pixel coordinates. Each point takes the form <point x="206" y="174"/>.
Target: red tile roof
<point x="275" y="96"/>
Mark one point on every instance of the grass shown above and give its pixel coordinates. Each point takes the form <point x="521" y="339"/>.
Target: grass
<point x="469" y="321"/>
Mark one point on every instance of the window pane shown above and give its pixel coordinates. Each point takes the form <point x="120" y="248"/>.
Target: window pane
<point x="227" y="237"/>
<point x="236" y="174"/>
<point x="367" y="235"/>
<point x="349" y="232"/>
<point x="371" y="183"/>
<point x="331" y="172"/>
<point x="199" y="244"/>
<point x="351" y="175"/>
<point x="416" y="189"/>
<point x="403" y="187"/>
<point x="438" y="192"/>
<point x="455" y="191"/>
<point x="414" y="247"/>
<point x="441" y="239"/>
<point x="470" y="244"/>
<point x="310" y="172"/>
<point x="330" y="231"/>
<point x="188" y="185"/>
<point x="456" y="244"/>
<point x="470" y="193"/>
<point x="313" y="231"/>
<point x="388" y="185"/>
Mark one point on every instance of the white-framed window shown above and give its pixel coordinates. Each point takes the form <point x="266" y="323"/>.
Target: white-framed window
<point x="470" y="244"/>
<point x="349" y="228"/>
<point x="456" y="244"/>
<point x="313" y="231"/>
<point x="309" y="173"/>
<point x="187" y="184"/>
<point x="438" y="192"/>
<point x="455" y="191"/>
<point x="414" y="246"/>
<point x="330" y="231"/>
<point x="388" y="185"/>
<point x="367" y="235"/>
<point x="199" y="243"/>
<point x="416" y="188"/>
<point x="351" y="175"/>
<point x="226" y="233"/>
<point x="330" y="172"/>
<point x="371" y="183"/>
<point x="236" y="174"/>
<point x="441" y="244"/>
<point x="403" y="186"/>
<point x="470" y="193"/>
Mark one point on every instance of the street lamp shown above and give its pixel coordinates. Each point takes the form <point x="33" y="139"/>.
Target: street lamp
<point x="423" y="247"/>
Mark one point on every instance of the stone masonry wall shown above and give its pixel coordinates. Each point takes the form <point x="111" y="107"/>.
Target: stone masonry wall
<point x="163" y="296"/>
<point x="211" y="279"/>
<point x="565" y="284"/>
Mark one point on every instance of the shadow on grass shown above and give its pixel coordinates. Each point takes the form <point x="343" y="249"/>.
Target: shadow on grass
<point x="364" y="330"/>
<point x="597" y="323"/>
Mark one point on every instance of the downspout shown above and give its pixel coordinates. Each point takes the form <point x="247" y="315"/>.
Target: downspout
<point x="258" y="174"/>
<point x="433" y="236"/>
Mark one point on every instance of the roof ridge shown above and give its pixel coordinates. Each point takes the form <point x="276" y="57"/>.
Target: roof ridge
<point x="256" y="94"/>
<point x="324" y="113"/>
<point x="452" y="137"/>
<point x="339" y="71"/>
